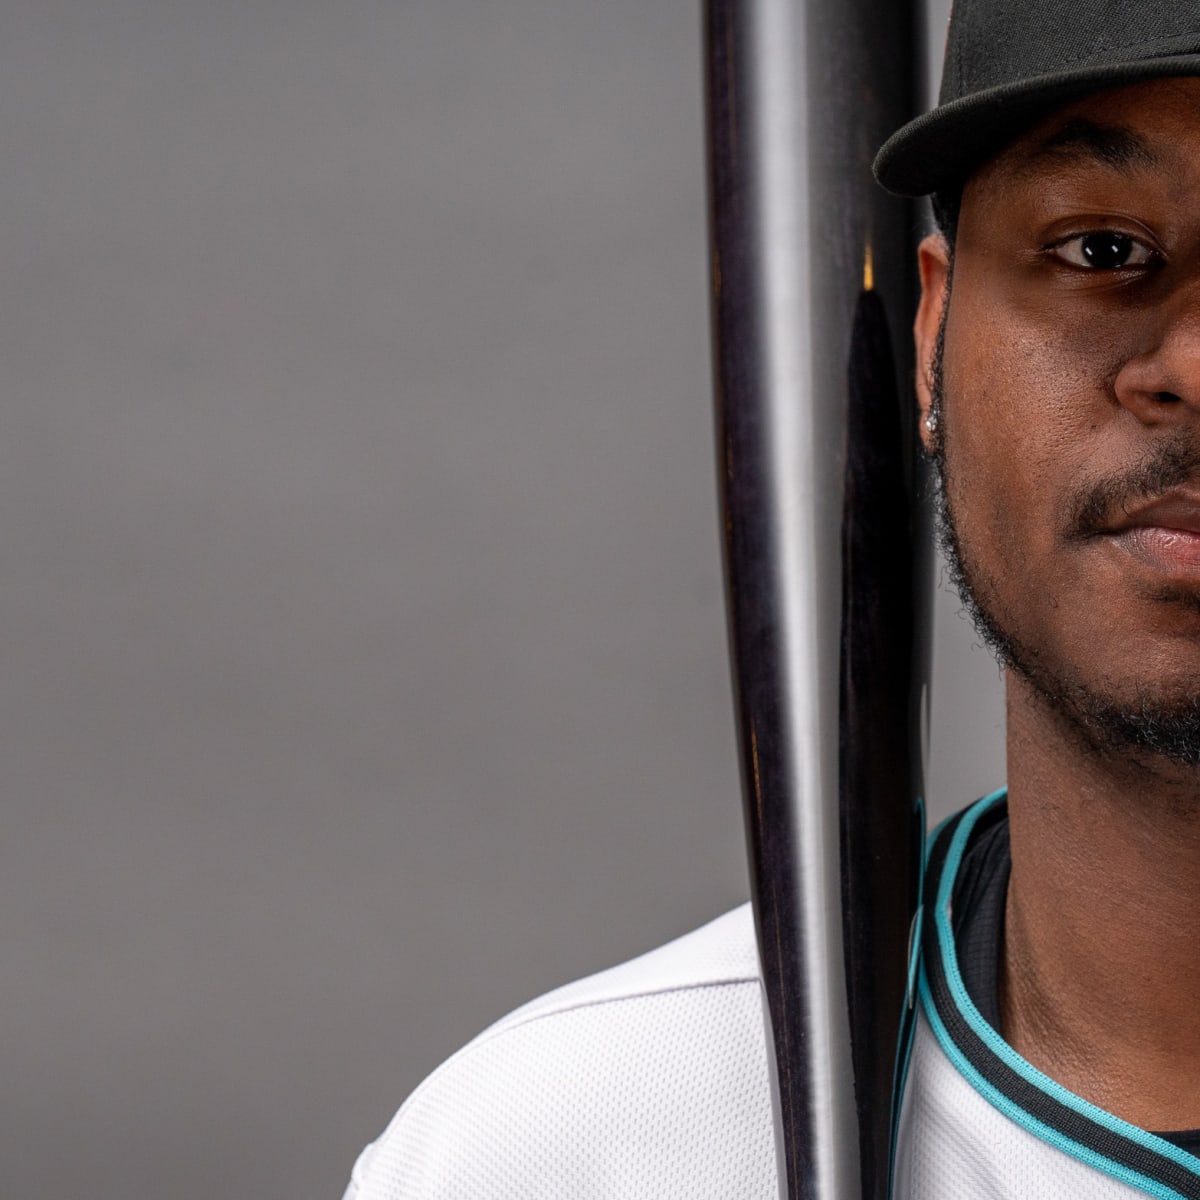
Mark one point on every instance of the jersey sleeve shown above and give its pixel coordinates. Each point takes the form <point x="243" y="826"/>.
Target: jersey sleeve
<point x="646" y="1081"/>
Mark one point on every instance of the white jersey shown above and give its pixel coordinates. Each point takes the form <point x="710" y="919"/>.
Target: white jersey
<point x="647" y="1080"/>
<point x="650" y="1080"/>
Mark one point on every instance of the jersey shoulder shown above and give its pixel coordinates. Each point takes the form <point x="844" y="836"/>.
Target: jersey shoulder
<point x="648" y="1079"/>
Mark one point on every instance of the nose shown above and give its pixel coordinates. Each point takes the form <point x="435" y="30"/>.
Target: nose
<point x="1162" y="385"/>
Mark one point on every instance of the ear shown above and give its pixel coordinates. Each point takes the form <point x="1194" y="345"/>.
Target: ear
<point x="933" y="262"/>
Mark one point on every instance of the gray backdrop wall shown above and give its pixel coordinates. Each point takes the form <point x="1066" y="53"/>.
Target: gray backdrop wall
<point x="364" y="668"/>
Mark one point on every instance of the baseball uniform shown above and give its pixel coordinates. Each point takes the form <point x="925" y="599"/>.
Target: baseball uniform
<point x="651" y="1079"/>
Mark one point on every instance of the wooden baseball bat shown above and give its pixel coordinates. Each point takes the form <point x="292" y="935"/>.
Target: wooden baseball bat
<point x="811" y="270"/>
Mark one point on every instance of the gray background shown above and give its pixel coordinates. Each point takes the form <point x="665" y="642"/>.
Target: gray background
<point x="363" y="655"/>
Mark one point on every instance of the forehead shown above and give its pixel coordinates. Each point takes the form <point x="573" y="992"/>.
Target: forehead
<point x="1144" y="129"/>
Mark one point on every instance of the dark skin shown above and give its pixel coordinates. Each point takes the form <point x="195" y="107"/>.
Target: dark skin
<point x="1072" y="360"/>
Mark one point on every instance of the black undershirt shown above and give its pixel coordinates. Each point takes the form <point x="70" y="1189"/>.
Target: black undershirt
<point x="979" y="895"/>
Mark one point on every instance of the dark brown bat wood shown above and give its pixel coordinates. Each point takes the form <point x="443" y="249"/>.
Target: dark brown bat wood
<point x="811" y="273"/>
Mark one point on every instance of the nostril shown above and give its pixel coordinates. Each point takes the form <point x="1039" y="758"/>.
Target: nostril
<point x="1167" y="397"/>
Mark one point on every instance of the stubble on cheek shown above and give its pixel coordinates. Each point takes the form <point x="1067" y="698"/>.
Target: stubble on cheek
<point x="1018" y="466"/>
<point x="1020" y="407"/>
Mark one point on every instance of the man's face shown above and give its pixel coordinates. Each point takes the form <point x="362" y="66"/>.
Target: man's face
<point x="1069" y="422"/>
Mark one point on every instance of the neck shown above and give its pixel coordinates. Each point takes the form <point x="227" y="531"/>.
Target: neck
<point x="1102" y="928"/>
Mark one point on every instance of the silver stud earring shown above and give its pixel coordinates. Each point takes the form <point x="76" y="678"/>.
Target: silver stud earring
<point x="931" y="423"/>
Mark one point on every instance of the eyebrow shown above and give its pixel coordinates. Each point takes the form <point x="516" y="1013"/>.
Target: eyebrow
<point x="1080" y="139"/>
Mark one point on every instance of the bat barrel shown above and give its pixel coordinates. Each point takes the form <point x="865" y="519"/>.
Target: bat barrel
<point x="810" y="267"/>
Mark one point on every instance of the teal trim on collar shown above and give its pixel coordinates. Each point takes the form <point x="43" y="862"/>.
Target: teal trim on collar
<point x="1003" y="1051"/>
<point x="1016" y="1113"/>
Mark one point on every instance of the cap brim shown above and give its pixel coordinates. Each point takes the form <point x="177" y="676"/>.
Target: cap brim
<point x="940" y="149"/>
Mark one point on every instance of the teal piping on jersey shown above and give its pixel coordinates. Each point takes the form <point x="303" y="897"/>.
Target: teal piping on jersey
<point x="1012" y="1059"/>
<point x="1015" y="1113"/>
<point x="907" y="1022"/>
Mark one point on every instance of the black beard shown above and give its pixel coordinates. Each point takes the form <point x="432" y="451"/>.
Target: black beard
<point x="1161" y="727"/>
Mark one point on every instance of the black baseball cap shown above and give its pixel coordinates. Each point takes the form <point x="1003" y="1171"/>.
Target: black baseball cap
<point x="1009" y="62"/>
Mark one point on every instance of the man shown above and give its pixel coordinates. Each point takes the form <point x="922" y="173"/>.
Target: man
<point x="1055" y="1045"/>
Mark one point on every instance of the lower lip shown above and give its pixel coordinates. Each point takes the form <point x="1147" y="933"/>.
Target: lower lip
<point x="1171" y="551"/>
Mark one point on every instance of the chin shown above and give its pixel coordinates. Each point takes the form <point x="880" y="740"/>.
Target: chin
<point x="1159" y="719"/>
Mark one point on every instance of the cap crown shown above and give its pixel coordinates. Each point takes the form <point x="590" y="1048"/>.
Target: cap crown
<point x="1009" y="62"/>
<point x="994" y="42"/>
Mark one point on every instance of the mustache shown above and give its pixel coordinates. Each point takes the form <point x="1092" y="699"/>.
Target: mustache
<point x="1170" y="464"/>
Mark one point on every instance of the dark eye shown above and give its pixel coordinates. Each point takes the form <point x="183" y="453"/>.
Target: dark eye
<point x="1104" y="251"/>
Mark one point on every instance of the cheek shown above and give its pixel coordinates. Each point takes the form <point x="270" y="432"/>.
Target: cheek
<point x="1034" y="375"/>
<point x="1023" y="407"/>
